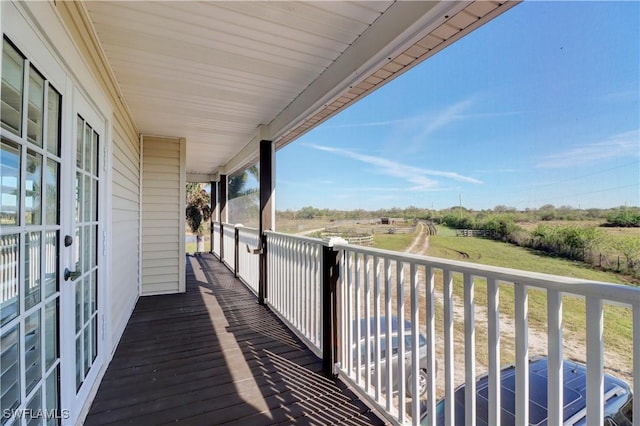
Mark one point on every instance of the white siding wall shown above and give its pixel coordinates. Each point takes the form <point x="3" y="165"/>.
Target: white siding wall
<point x="163" y="223"/>
<point x="125" y="225"/>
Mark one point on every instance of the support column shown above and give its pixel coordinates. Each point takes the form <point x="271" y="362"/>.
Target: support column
<point x="267" y="209"/>
<point x="330" y="275"/>
<point x="224" y="213"/>
<point x="214" y="212"/>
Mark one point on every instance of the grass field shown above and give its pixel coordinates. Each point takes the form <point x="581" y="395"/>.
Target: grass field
<point x="618" y="324"/>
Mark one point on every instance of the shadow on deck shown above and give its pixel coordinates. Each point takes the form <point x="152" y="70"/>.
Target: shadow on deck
<point x="214" y="356"/>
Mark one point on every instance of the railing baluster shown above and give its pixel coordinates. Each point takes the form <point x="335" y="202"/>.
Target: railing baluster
<point x="493" y="299"/>
<point x="415" y="347"/>
<point x="469" y="351"/>
<point x="555" y="388"/>
<point x="448" y="348"/>
<point x="431" y="343"/>
<point x="388" y="349"/>
<point x="636" y="361"/>
<point x="595" y="361"/>
<point x="522" y="353"/>
<point x="367" y="315"/>
<point x="358" y="320"/>
<point x="376" y="314"/>
<point x="401" y="364"/>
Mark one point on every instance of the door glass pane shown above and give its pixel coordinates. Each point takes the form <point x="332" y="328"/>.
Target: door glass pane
<point x="33" y="186"/>
<point x="79" y="142"/>
<point x="12" y="78"/>
<point x="94" y="245"/>
<point x="51" y="333"/>
<point x="87" y="198"/>
<point x="79" y="196"/>
<point x="36" y="107"/>
<point x="95" y="200"/>
<point x="94" y="338"/>
<point x="51" y="263"/>
<point x="86" y="298"/>
<point x="78" y="285"/>
<point x="53" y="396"/>
<point x="87" y="348"/>
<point x="94" y="292"/>
<point x="9" y="371"/>
<point x="52" y="179"/>
<point x="9" y="183"/>
<point x="33" y="408"/>
<point x="79" y="361"/>
<point x="9" y="288"/>
<point x="32" y="269"/>
<point x="87" y="148"/>
<point x="96" y="154"/>
<point x="86" y="248"/>
<point x="32" y="351"/>
<point x="78" y="259"/>
<point x="53" y="121"/>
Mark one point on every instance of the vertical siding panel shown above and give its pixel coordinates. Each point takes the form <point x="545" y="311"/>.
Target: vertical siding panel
<point x="163" y="215"/>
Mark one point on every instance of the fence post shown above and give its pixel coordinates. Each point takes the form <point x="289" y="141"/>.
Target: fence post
<point x="330" y="275"/>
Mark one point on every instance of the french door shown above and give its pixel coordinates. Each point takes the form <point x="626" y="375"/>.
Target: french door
<point x="50" y="234"/>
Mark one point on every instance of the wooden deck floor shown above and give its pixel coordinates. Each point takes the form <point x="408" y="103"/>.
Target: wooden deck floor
<point x="214" y="356"/>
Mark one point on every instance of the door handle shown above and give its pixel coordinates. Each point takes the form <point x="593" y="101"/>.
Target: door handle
<point x="70" y="274"/>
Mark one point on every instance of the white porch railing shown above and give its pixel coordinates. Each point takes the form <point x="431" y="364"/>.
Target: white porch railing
<point x="464" y="311"/>
<point x="294" y="268"/>
<point x="215" y="238"/>
<point x="382" y="284"/>
<point x="229" y="245"/>
<point x="248" y="262"/>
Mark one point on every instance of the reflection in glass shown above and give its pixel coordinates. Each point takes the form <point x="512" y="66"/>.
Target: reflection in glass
<point x="79" y="322"/>
<point x="79" y="361"/>
<point x="87" y="197"/>
<point x="9" y="183"/>
<point x="33" y="407"/>
<point x="53" y="121"/>
<point x="52" y="179"/>
<point x="79" y="142"/>
<point x="10" y="370"/>
<point x="53" y="392"/>
<point x="94" y="246"/>
<point x="95" y="200"/>
<point x="11" y="94"/>
<point x="94" y="339"/>
<point x="51" y="263"/>
<point x="79" y="193"/>
<point x="32" y="258"/>
<point x="32" y="351"/>
<point x="78" y="259"/>
<point x="87" y="148"/>
<point x="9" y="288"/>
<point x="86" y="298"/>
<point x="35" y="109"/>
<point x="94" y="292"/>
<point x="51" y="333"/>
<point x="33" y="187"/>
<point x="87" y="349"/>
<point x="86" y="248"/>
<point x="96" y="154"/>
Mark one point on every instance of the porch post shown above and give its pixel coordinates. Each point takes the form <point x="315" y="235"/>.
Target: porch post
<point x="214" y="212"/>
<point x="330" y="275"/>
<point x="224" y="216"/>
<point x="267" y="209"/>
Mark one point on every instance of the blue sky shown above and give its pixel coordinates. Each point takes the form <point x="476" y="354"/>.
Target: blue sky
<point x="540" y="106"/>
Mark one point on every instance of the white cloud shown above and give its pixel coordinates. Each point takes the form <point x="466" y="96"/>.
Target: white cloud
<point x="621" y="145"/>
<point x="417" y="177"/>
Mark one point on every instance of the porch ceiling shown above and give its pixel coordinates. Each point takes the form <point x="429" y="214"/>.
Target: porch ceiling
<point x="224" y="75"/>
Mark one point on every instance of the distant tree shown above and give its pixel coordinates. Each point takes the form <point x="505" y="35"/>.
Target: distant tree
<point x="198" y="211"/>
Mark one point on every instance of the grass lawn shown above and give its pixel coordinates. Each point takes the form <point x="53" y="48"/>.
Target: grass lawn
<point x="397" y="242"/>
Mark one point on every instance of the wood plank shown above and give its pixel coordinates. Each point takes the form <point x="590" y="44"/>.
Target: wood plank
<point x="213" y="355"/>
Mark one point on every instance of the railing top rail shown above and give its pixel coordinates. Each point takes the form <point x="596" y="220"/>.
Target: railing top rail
<point x="245" y="230"/>
<point x="623" y="294"/>
<point x="310" y="240"/>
